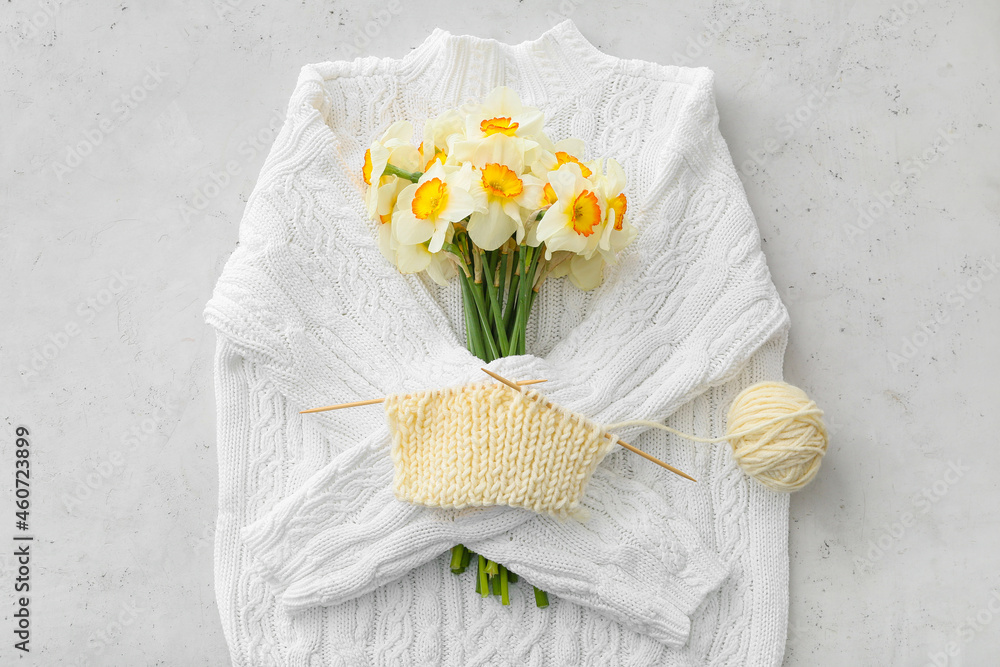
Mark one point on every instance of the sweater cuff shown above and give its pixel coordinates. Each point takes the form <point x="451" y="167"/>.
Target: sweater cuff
<point x="635" y="559"/>
<point x="343" y="533"/>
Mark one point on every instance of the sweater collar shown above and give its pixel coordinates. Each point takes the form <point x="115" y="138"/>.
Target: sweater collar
<point x="462" y="67"/>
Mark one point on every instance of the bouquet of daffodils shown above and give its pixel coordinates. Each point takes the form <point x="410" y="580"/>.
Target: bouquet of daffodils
<point x="488" y="197"/>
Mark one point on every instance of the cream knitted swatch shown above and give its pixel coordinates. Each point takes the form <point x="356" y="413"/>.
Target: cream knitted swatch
<point x="486" y="444"/>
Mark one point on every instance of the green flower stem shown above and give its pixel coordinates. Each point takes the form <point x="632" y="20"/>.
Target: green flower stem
<point x="490" y="349"/>
<point x="501" y="264"/>
<point x="534" y="293"/>
<point x="511" y="309"/>
<point x="491" y="294"/>
<point x="466" y="305"/>
<point x="507" y="273"/>
<point x="457" y="554"/>
<point x="504" y="593"/>
<point x="529" y="293"/>
<point x="498" y="293"/>
<point x="490" y="345"/>
<point x="510" y="317"/>
<point x="475" y="340"/>
<point x="408" y="175"/>
<point x="524" y="287"/>
<point x="477" y="326"/>
<point x="484" y="586"/>
<point x="493" y="569"/>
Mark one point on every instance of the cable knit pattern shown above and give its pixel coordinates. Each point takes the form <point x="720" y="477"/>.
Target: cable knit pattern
<point x="317" y="562"/>
<point x="486" y="444"/>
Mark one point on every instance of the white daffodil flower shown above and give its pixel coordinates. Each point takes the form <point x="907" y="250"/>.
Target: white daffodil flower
<point x="394" y="148"/>
<point x="426" y="210"/>
<point x="617" y="232"/>
<point x="504" y="195"/>
<point x="440" y="133"/>
<point x="502" y="113"/>
<point x="586" y="273"/>
<point x="442" y="267"/>
<point x="574" y="222"/>
<point x="552" y="156"/>
<point x="489" y="170"/>
<point x="415" y="258"/>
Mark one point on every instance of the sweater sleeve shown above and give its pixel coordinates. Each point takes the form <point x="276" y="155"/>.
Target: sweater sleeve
<point x="309" y="298"/>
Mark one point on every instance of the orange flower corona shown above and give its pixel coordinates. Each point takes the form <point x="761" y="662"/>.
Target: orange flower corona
<point x="565" y="158"/>
<point x="501" y="125"/>
<point x="619" y="205"/>
<point x="430" y="199"/>
<point x="500" y="181"/>
<point x="586" y="213"/>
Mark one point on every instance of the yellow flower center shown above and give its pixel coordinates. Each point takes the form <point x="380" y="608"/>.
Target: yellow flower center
<point x="619" y="205"/>
<point x="550" y="194"/>
<point x="385" y="218"/>
<point x="430" y="199"/>
<point x="565" y="158"/>
<point x="366" y="170"/>
<point x="501" y="181"/>
<point x="501" y="125"/>
<point x="586" y="213"/>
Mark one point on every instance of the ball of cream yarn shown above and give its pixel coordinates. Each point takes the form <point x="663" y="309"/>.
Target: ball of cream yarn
<point x="777" y="435"/>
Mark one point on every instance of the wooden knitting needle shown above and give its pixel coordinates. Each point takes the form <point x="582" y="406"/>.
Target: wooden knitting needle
<point x="373" y="401"/>
<point x="624" y="444"/>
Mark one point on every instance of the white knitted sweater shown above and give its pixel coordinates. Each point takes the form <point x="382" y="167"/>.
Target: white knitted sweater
<point x="317" y="563"/>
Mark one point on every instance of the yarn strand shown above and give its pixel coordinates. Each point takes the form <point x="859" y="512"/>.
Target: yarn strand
<point x="776" y="432"/>
<point x="750" y="431"/>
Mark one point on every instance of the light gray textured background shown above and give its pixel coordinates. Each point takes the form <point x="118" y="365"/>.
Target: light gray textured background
<point x="828" y="107"/>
